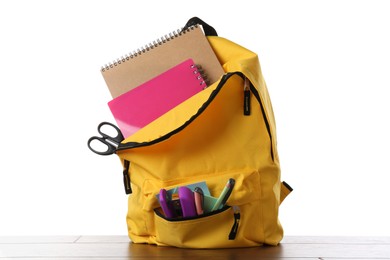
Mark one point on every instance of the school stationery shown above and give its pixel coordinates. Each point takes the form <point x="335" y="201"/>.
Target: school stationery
<point x="166" y="204"/>
<point x="202" y="185"/>
<point x="106" y="140"/>
<point x="140" y="106"/>
<point x="144" y="64"/>
<point x="199" y="200"/>
<point x="187" y="202"/>
<point x="227" y="190"/>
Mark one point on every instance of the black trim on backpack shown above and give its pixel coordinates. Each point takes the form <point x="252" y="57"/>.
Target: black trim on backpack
<point x="225" y="77"/>
<point x="256" y="93"/>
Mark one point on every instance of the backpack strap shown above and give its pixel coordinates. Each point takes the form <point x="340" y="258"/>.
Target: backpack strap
<point x="208" y="29"/>
<point x="285" y="190"/>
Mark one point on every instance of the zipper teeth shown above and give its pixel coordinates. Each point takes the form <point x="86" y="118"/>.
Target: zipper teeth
<point x="194" y="217"/>
<point x="130" y="145"/>
<point x="257" y="95"/>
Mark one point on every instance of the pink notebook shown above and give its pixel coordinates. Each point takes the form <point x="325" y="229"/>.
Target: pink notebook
<point x="145" y="103"/>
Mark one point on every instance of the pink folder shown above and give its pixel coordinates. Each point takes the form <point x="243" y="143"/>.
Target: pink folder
<point x="145" y="103"/>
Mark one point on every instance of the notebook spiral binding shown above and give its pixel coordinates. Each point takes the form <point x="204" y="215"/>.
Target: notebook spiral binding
<point x="200" y="75"/>
<point x="156" y="43"/>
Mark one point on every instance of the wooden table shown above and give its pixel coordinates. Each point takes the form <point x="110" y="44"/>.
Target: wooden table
<point x="119" y="248"/>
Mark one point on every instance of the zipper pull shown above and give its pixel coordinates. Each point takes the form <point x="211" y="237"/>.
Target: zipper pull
<point x="126" y="177"/>
<point x="237" y="216"/>
<point x="247" y="98"/>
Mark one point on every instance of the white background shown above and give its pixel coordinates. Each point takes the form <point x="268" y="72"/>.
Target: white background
<point x="326" y="64"/>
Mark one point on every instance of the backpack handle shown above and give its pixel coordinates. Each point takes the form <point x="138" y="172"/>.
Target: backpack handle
<point x="208" y="29"/>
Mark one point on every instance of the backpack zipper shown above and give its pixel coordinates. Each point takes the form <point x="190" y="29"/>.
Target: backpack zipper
<point x="233" y="231"/>
<point x="126" y="177"/>
<point x="237" y="217"/>
<point x="257" y="96"/>
<point x="180" y="219"/>
<point x="248" y="89"/>
<point x="247" y="98"/>
<point x="225" y="77"/>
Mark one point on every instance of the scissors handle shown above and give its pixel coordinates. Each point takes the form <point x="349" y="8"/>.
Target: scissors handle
<point x="117" y="139"/>
<point x="110" y="149"/>
<point x="108" y="141"/>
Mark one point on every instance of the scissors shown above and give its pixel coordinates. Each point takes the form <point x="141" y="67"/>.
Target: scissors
<point x="107" y="140"/>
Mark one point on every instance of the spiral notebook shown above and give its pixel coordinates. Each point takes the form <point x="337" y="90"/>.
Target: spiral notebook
<point x="145" y="103"/>
<point x="142" y="65"/>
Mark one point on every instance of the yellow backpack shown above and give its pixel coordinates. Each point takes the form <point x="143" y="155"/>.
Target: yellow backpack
<point x="225" y="131"/>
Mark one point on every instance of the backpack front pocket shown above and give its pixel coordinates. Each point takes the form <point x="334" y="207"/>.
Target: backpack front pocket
<point x="229" y="226"/>
<point x="204" y="231"/>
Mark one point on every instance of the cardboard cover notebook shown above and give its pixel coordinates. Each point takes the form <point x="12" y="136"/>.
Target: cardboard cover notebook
<point x="145" y="103"/>
<point x="140" y="66"/>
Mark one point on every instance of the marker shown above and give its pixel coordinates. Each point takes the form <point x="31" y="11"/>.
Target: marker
<point x="187" y="201"/>
<point x="223" y="197"/>
<point x="199" y="200"/>
<point x="166" y="204"/>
